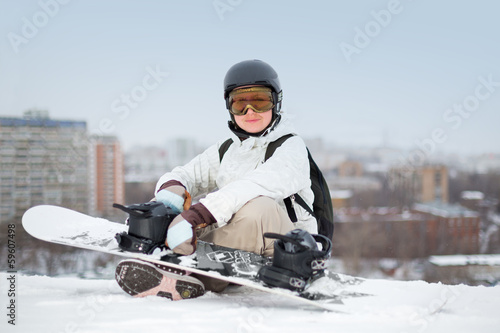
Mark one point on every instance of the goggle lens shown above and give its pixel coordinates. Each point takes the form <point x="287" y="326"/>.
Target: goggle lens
<point x="259" y="99"/>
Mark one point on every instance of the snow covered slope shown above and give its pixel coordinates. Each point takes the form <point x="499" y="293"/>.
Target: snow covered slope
<point x="68" y="304"/>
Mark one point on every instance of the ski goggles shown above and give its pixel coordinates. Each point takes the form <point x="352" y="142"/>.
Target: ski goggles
<point x="259" y="99"/>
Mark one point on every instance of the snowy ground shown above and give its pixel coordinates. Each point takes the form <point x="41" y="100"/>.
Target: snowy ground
<point x="70" y="304"/>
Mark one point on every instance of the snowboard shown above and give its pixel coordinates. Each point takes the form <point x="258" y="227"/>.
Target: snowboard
<point x="64" y="226"/>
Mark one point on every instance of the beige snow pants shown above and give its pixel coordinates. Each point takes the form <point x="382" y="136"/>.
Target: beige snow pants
<point x="245" y="231"/>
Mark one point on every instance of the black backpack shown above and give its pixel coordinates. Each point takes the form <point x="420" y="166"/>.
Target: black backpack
<point x="322" y="205"/>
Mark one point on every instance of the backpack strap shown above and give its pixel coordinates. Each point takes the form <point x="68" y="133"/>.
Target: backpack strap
<point x="288" y="201"/>
<point x="224" y="147"/>
<point x="269" y="151"/>
<point x="300" y="201"/>
<point x="275" y="144"/>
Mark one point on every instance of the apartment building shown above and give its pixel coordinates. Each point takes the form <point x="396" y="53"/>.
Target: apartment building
<point x="428" y="183"/>
<point x="55" y="162"/>
<point x="42" y="161"/>
<point x="107" y="185"/>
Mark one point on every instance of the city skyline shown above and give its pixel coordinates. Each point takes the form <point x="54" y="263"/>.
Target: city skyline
<point x="161" y="157"/>
<point x="407" y="74"/>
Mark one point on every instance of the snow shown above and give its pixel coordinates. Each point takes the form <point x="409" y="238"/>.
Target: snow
<point x="71" y="304"/>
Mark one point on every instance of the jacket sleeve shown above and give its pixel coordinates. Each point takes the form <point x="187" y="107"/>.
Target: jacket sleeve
<point x="199" y="175"/>
<point x="286" y="172"/>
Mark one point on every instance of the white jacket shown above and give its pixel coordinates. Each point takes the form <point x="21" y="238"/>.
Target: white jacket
<point x="242" y="175"/>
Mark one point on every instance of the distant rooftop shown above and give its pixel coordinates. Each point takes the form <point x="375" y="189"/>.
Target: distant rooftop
<point x="444" y="209"/>
<point x="464" y="260"/>
<point x="37" y="118"/>
<point x="341" y="194"/>
<point x="376" y="214"/>
<point x="472" y="195"/>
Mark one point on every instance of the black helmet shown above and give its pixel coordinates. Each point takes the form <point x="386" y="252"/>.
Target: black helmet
<point x="253" y="72"/>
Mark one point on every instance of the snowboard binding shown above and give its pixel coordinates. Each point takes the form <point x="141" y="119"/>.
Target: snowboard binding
<point x="148" y="225"/>
<point x="297" y="260"/>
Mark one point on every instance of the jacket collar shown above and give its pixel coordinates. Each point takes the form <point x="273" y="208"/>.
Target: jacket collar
<point x="242" y="135"/>
<point x="281" y="126"/>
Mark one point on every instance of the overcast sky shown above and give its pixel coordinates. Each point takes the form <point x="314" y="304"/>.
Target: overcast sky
<point x="403" y="73"/>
